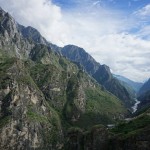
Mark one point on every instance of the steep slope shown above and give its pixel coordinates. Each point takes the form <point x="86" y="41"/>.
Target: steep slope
<point x="11" y="40"/>
<point x="101" y="73"/>
<point x="144" y="88"/>
<point x="32" y="34"/>
<point x="42" y="94"/>
<point x="83" y="60"/>
<point x="104" y="77"/>
<point x="135" y="85"/>
<point x="72" y="91"/>
<point x="127" y="135"/>
<point x="128" y="88"/>
<point x="26" y="119"/>
<point x="144" y="101"/>
<point x="79" y="55"/>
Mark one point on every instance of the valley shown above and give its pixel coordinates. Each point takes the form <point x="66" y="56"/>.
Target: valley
<point x="61" y="98"/>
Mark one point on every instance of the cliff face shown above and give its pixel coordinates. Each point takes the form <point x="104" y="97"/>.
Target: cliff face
<point x="42" y="93"/>
<point x="26" y="119"/>
<point x="11" y="41"/>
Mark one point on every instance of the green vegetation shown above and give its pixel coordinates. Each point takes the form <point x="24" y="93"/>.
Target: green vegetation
<point x="34" y="116"/>
<point x="101" y="108"/>
<point x="63" y="63"/>
<point x="42" y="74"/>
<point x="103" y="103"/>
<point x="26" y="79"/>
<point x="71" y="109"/>
<point x="6" y="62"/>
<point x="4" y="121"/>
<point x="133" y="126"/>
<point x="74" y="129"/>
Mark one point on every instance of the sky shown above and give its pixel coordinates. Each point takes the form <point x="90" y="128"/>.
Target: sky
<point x="114" y="32"/>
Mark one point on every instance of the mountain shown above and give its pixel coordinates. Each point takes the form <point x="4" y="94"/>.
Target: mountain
<point x="145" y="101"/>
<point x="42" y="93"/>
<point x="11" y="41"/>
<point x="144" y="88"/>
<point x="134" y="85"/>
<point x="130" y="90"/>
<point x="85" y="61"/>
<point x="32" y="34"/>
<point x="104" y="77"/>
<point x="77" y="54"/>
<point x="101" y="73"/>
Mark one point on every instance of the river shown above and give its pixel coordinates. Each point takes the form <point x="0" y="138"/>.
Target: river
<point x="135" y="105"/>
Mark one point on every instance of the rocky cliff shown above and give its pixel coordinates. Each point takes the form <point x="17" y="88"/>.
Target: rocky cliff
<point x="42" y="94"/>
<point x="101" y="73"/>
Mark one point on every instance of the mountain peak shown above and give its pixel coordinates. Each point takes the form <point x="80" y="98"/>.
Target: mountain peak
<point x="7" y="23"/>
<point x="78" y="54"/>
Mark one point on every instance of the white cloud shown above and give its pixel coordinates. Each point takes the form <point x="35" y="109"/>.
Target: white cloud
<point x="99" y="30"/>
<point x="41" y="14"/>
<point x="126" y="54"/>
<point x="144" y="12"/>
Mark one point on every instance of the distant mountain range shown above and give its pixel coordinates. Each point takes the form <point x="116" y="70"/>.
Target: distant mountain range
<point x="134" y="85"/>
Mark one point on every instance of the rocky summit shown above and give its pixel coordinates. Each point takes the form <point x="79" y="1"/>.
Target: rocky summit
<point x="48" y="102"/>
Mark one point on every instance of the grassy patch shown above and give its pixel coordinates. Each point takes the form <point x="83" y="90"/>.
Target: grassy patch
<point x="102" y="102"/>
<point x="33" y="116"/>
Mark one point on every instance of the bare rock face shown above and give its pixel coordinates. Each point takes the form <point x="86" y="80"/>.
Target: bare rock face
<point x="11" y="40"/>
<point x="26" y="118"/>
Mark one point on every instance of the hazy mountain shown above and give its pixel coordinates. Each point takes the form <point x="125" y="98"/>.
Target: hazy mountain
<point x="144" y="88"/>
<point x="144" y="97"/>
<point x="145" y="101"/>
<point x="135" y="85"/>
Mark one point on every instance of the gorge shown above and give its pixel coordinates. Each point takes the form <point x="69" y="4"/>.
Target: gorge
<point x="54" y="98"/>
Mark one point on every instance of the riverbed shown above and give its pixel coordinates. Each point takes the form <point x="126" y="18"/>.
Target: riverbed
<point x="134" y="108"/>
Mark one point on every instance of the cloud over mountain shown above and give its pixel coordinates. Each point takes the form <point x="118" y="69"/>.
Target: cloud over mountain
<point x="106" y="33"/>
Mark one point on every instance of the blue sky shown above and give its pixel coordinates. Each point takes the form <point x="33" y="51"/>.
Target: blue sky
<point x="114" y="32"/>
<point x="126" y="5"/>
